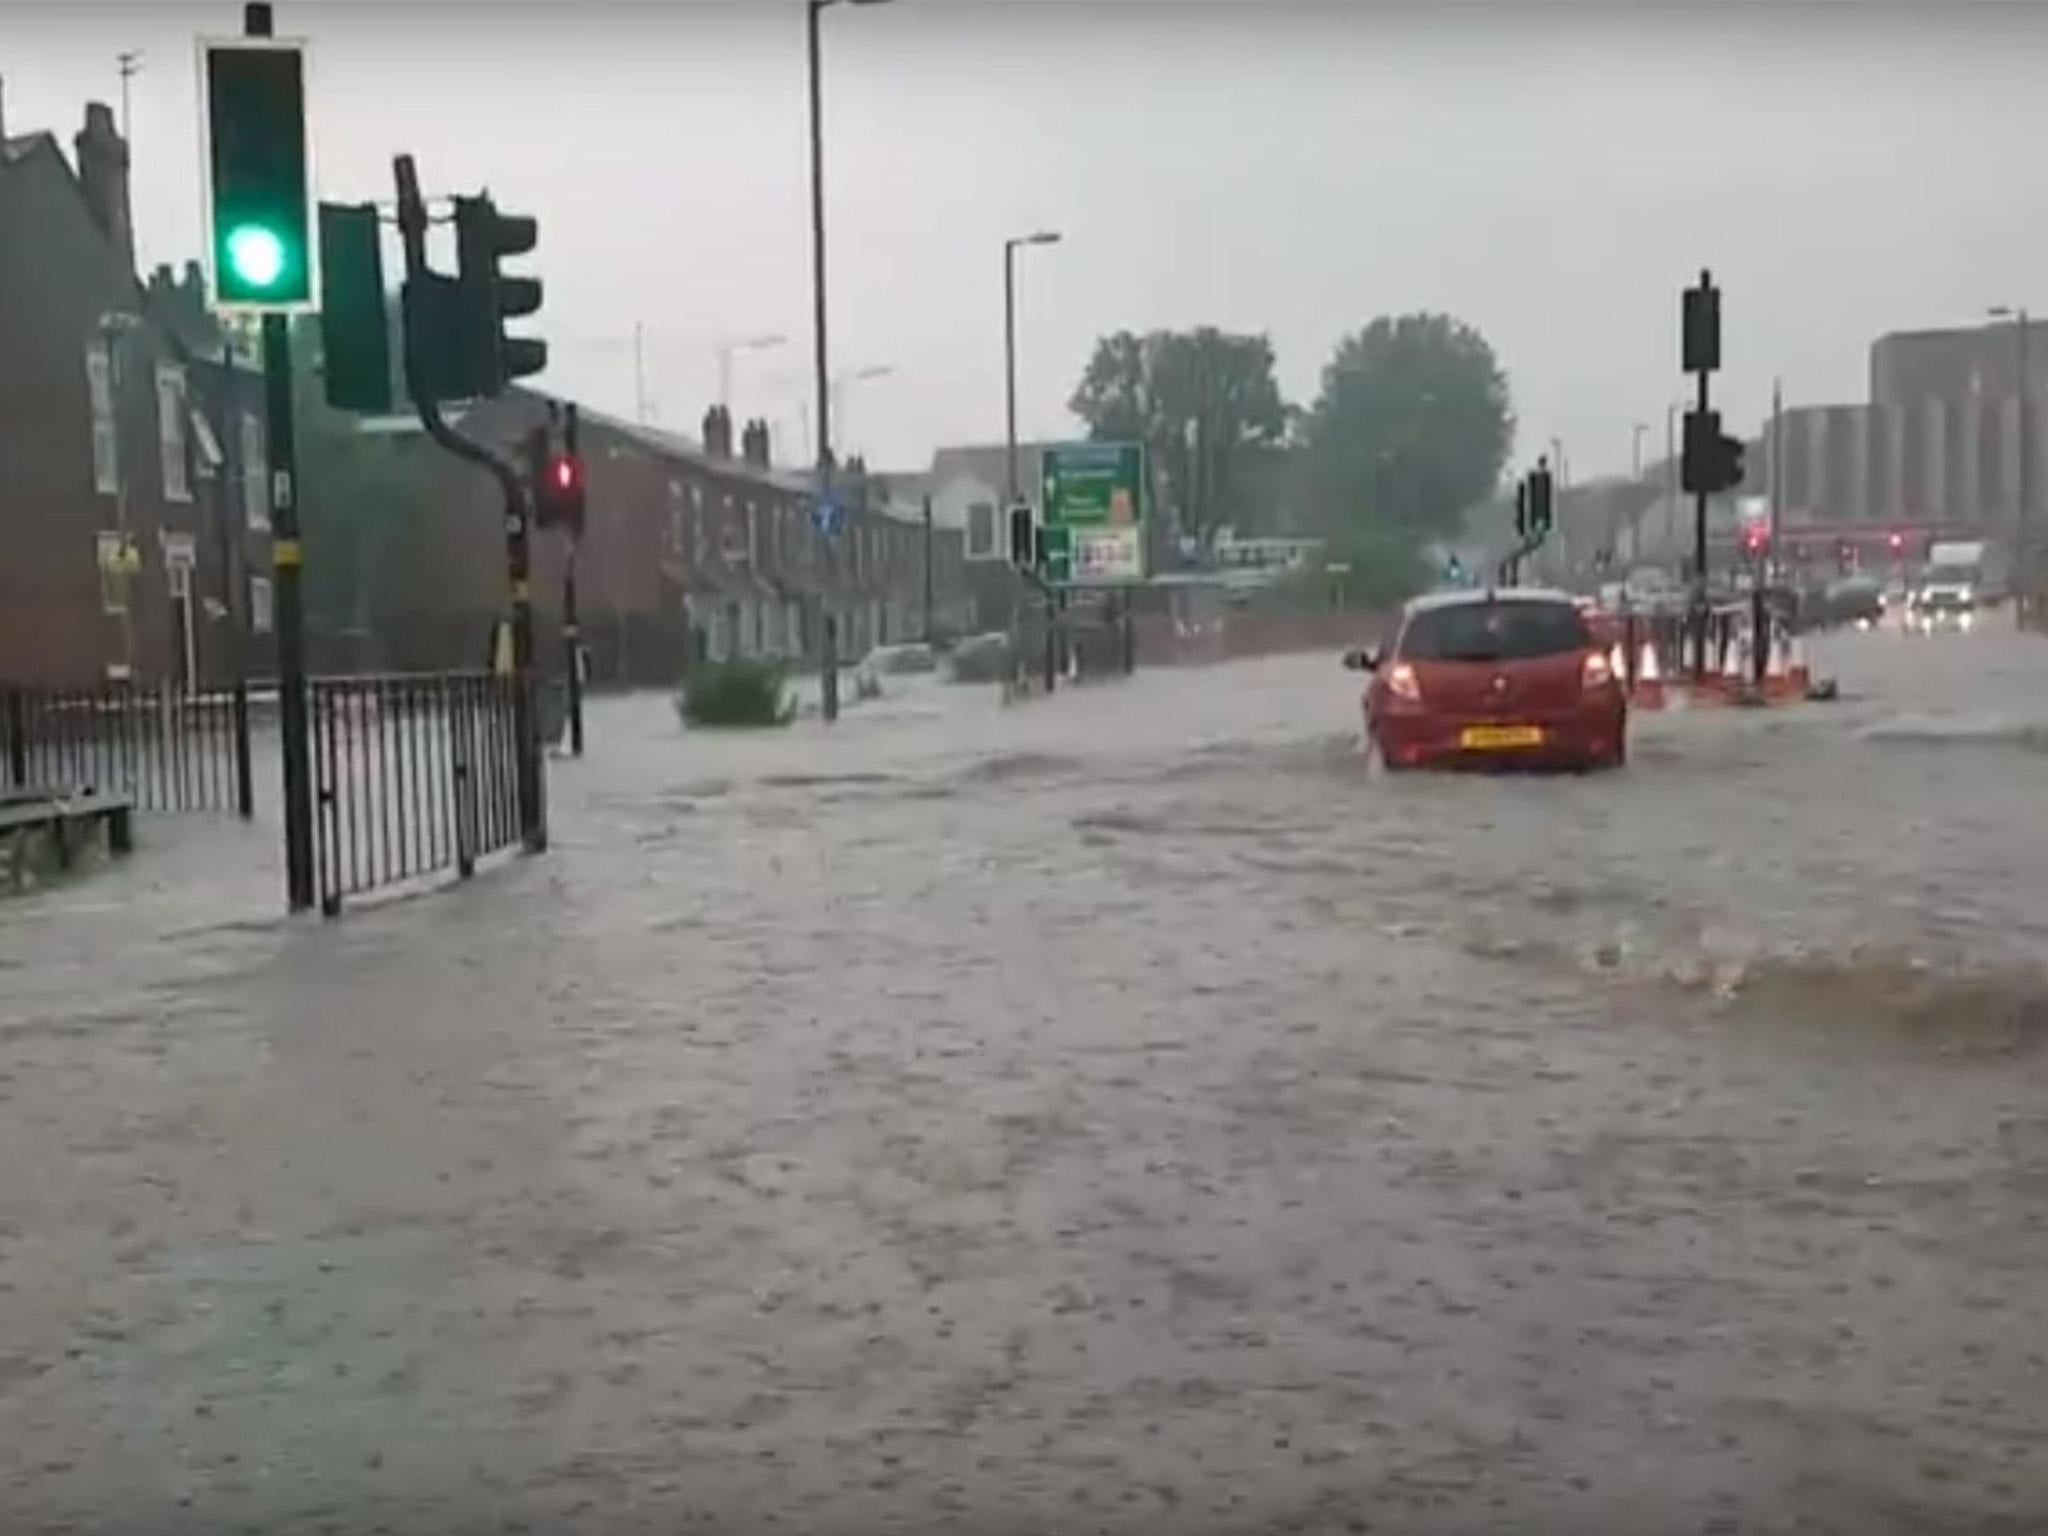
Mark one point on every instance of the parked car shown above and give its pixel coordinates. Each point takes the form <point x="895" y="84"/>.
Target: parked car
<point x="981" y="658"/>
<point x="1504" y="678"/>
<point x="886" y="661"/>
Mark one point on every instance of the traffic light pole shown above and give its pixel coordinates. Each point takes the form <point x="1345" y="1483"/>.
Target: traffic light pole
<point x="288" y="559"/>
<point x="288" y="556"/>
<point x="412" y="225"/>
<point x="1699" y="562"/>
<point x="572" y="629"/>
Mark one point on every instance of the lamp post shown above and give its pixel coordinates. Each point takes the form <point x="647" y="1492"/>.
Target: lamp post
<point x="828" y="647"/>
<point x="1011" y="489"/>
<point x="728" y="349"/>
<point x="2023" y="512"/>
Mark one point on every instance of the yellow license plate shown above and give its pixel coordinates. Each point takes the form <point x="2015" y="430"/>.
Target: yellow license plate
<point x="1489" y="738"/>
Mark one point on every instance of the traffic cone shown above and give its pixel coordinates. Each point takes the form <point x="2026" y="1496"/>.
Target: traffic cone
<point x="1649" y="689"/>
<point x="1617" y="663"/>
<point x="1777" y="681"/>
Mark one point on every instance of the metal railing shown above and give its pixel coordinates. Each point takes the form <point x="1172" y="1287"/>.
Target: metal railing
<point x="167" y="748"/>
<point x="412" y="774"/>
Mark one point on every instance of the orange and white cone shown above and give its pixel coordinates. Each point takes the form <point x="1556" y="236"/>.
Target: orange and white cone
<point x="1649" y="689"/>
<point x="1777" y="681"/>
<point x="1796" y="666"/>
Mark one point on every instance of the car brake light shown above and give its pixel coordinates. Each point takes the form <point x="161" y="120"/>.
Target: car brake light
<point x="1402" y="683"/>
<point x="1598" y="672"/>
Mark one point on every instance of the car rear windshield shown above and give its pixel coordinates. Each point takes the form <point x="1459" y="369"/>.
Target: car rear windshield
<point x="1511" y="631"/>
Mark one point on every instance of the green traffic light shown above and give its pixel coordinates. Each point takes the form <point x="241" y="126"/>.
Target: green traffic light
<point x="256" y="255"/>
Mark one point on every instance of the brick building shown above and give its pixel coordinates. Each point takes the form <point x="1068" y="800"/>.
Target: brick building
<point x="132" y="506"/>
<point x="685" y="542"/>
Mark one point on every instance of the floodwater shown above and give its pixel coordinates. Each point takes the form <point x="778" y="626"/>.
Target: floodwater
<point x="1119" y="1113"/>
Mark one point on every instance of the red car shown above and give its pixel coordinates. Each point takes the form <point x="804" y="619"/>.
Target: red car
<point x="1508" y="678"/>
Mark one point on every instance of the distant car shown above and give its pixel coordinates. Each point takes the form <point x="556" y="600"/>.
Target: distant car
<point x="1494" y="679"/>
<point x="983" y="658"/>
<point x="915" y="660"/>
<point x="1942" y="605"/>
<point x="1853" y="600"/>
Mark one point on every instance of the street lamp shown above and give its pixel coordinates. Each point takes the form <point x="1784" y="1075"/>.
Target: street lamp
<point x="1042" y="237"/>
<point x="829" y="640"/>
<point x="857" y="376"/>
<point x="2023" y="516"/>
<point x="726" y="352"/>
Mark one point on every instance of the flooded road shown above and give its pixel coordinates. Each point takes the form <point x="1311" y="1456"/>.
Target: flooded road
<point x="1117" y="1113"/>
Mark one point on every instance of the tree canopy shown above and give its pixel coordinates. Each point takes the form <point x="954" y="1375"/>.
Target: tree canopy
<point x="1411" y="428"/>
<point x="1202" y="401"/>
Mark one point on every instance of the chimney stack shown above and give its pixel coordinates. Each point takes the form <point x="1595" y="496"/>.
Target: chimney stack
<point x="754" y="442"/>
<point x="718" y="432"/>
<point x="103" y="175"/>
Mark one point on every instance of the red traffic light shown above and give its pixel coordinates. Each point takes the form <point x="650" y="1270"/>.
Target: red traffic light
<point x="1897" y="542"/>
<point x="563" y="473"/>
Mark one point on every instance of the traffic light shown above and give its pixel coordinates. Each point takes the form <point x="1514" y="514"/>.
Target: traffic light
<point x="1709" y="462"/>
<point x="1454" y="571"/>
<point x="1897" y="542"/>
<point x="1754" y="538"/>
<point x="554" y="473"/>
<point x="258" y="214"/>
<point x="1541" y="511"/>
<point x="1023" y="537"/>
<point x="355" y="331"/>
<point x="1522" y="509"/>
<point x="1700" y="327"/>
<point x="486" y="297"/>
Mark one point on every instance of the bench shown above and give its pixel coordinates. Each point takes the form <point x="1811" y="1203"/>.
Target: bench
<point x="64" y="813"/>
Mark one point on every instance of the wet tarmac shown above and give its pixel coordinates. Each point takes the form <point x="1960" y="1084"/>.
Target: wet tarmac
<point x="1117" y="1113"/>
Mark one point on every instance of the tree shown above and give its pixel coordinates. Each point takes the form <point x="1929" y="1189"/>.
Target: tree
<point x="1201" y="401"/>
<point x="1412" y="428"/>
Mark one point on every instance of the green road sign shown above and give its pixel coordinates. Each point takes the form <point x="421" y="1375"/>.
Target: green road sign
<point x="1093" y="501"/>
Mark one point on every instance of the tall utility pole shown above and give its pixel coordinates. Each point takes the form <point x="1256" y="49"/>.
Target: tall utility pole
<point x="1011" y="488"/>
<point x="828" y="649"/>
<point x="1770" y="562"/>
<point x="639" y="373"/>
<point x="1671" y="478"/>
<point x="1636" y="450"/>
<point x="2023" y="508"/>
<point x="129" y="64"/>
<point x="726" y="350"/>
<point x="927" y="568"/>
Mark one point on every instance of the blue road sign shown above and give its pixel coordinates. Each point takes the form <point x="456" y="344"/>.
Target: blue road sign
<point x="828" y="517"/>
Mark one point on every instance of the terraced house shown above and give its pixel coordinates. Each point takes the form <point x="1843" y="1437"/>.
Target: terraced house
<point x="133" y="504"/>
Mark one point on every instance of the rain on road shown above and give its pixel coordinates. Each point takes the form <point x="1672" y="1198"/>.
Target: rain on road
<point x="1117" y="1114"/>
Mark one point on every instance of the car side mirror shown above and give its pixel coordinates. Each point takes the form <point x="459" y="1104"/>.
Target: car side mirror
<point x="1358" y="659"/>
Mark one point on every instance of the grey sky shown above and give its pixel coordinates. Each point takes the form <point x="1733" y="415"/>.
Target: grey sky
<point x="1551" y="173"/>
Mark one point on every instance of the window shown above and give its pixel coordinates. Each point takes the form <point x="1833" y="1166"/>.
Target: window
<point x="676" y="530"/>
<point x="179" y="558"/>
<point x="700" y="536"/>
<point x="99" y="374"/>
<point x="117" y="559"/>
<point x="255" y="475"/>
<point x="170" y="431"/>
<point x="753" y="536"/>
<point x="1489" y="631"/>
<point x="981" y="531"/>
<point x="259" y="605"/>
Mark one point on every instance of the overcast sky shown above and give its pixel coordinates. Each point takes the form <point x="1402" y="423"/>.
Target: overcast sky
<point x="1551" y="173"/>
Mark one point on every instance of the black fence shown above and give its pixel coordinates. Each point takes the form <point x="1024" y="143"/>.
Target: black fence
<point x="412" y="774"/>
<point x="166" y="748"/>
